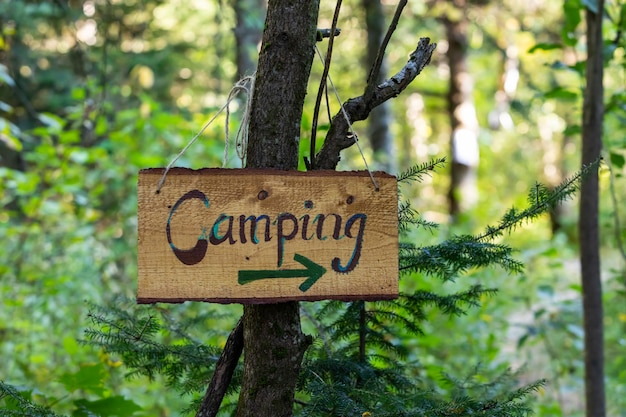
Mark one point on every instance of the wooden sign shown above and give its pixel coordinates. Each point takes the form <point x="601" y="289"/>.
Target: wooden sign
<point x="259" y="236"/>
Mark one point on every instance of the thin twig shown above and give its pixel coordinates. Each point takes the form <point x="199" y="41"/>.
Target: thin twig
<point x="330" y="116"/>
<point x="138" y="338"/>
<point x="224" y="369"/>
<point x="362" y="331"/>
<point x="322" y="87"/>
<point x="378" y="62"/>
<point x="358" y="108"/>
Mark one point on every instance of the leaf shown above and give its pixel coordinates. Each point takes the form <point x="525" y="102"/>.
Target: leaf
<point x="522" y="340"/>
<point x="578" y="67"/>
<point x="79" y="156"/>
<point x="70" y="345"/>
<point x="562" y="94"/>
<point x="79" y="94"/>
<point x="544" y="46"/>
<point x="8" y="135"/>
<point x="571" y="12"/>
<point x="576" y="287"/>
<point x="572" y="130"/>
<point x="609" y="50"/>
<point x="89" y="378"/>
<point x="617" y="160"/>
<point x="112" y="406"/>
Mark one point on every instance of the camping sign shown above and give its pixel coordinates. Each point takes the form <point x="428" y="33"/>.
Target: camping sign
<point x="261" y="235"/>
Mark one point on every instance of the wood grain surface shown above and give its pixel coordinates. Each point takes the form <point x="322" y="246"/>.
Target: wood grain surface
<point x="259" y="236"/>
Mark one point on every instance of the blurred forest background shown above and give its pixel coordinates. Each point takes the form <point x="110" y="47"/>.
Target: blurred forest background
<point x="92" y="91"/>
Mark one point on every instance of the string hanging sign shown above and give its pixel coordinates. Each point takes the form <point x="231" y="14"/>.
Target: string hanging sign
<point x="263" y="235"/>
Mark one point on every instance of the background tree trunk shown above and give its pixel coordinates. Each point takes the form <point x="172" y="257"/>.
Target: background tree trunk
<point x="250" y="15"/>
<point x="273" y="340"/>
<point x="463" y="122"/>
<point x="378" y="130"/>
<point x="593" y="114"/>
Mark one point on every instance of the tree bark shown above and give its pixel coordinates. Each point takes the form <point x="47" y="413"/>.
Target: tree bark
<point x="273" y="340"/>
<point x="463" y="122"/>
<point x="593" y="113"/>
<point x="249" y="15"/>
<point x="283" y="70"/>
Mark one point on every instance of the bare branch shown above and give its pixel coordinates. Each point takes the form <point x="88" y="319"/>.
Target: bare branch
<point x="224" y="370"/>
<point x="325" y="33"/>
<point x="378" y="62"/>
<point x="359" y="108"/>
<point x="320" y="91"/>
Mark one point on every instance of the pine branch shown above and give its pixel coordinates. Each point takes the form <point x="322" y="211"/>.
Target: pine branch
<point x="456" y="255"/>
<point x="541" y="200"/>
<point x="461" y="253"/>
<point x="25" y="407"/>
<point x="417" y="172"/>
<point x="407" y="217"/>
<point x="133" y="335"/>
<point x="346" y="387"/>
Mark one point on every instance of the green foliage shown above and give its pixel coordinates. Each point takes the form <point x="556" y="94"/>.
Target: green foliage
<point x="358" y="362"/>
<point x="418" y="172"/>
<point x="77" y="120"/>
<point x="112" y="406"/>
<point x="18" y="403"/>
<point x="461" y="253"/>
<point x="149" y="344"/>
<point x="358" y="366"/>
<point x="70" y="147"/>
<point x="541" y="199"/>
<point x="333" y="387"/>
<point x="94" y="399"/>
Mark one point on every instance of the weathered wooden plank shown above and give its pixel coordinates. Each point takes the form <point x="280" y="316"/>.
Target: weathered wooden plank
<point x="256" y="236"/>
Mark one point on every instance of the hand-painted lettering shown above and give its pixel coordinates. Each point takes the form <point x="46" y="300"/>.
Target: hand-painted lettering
<point x="282" y="237"/>
<point x="256" y="229"/>
<point x="196" y="254"/>
<point x="356" y="253"/>
<point x="215" y="238"/>
<point x="305" y="221"/>
<point x="320" y="219"/>
<point x="253" y="224"/>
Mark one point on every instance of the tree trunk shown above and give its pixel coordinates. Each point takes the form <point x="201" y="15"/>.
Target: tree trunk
<point x="378" y="131"/>
<point x="249" y="15"/>
<point x="593" y="113"/>
<point x="463" y="122"/>
<point x="273" y="340"/>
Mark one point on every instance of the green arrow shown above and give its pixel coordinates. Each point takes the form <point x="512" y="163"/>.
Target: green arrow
<point x="313" y="272"/>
